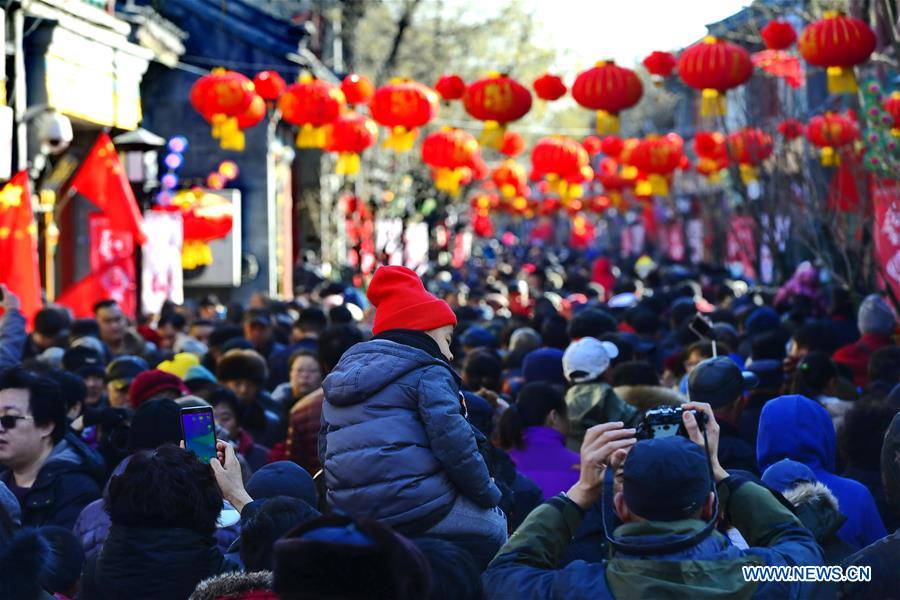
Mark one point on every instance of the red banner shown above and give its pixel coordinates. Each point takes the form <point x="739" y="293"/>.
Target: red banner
<point x="742" y="247"/>
<point x="886" y="200"/>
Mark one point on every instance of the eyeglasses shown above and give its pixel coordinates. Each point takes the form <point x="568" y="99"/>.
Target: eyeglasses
<point x="9" y="421"/>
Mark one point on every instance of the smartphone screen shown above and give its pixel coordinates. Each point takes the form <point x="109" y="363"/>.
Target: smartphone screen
<point x="199" y="432"/>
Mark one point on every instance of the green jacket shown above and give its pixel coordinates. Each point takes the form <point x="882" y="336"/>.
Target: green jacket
<point x="589" y="404"/>
<point x="526" y="567"/>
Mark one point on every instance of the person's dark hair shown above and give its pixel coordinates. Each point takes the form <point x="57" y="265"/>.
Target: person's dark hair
<point x="810" y="336"/>
<point x="312" y="319"/>
<point x="44" y="399"/>
<point x="884" y="365"/>
<point x="340" y="315"/>
<point x="223" y="395"/>
<point x="66" y="561"/>
<point x="862" y="434"/>
<point x="704" y="348"/>
<point x="300" y="354"/>
<point x="813" y="374"/>
<point x="482" y="369"/>
<point x="643" y="321"/>
<point x="201" y="323"/>
<point x="259" y="532"/>
<point x="107" y="303"/>
<point x="72" y="388"/>
<point x="224" y="333"/>
<point x="637" y="372"/>
<point x="454" y="574"/>
<point x="82" y="328"/>
<point x="334" y="341"/>
<point x="553" y="332"/>
<point x="769" y="345"/>
<point x="51" y="322"/>
<point x="533" y="403"/>
<point x="591" y="322"/>
<point x="172" y="318"/>
<point x="165" y="488"/>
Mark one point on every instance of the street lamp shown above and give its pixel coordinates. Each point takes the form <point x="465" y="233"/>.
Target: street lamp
<point x="141" y="152"/>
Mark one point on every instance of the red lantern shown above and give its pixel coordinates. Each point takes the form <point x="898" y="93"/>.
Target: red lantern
<point x="892" y="106"/>
<point x="269" y="85"/>
<point x="837" y="43"/>
<point x="710" y="144"/>
<point x="592" y="144"/>
<point x="778" y="35"/>
<point x="607" y="89"/>
<point x="791" y="129"/>
<point x="714" y="66"/>
<point x="612" y="146"/>
<point x="450" y="87"/>
<point x="357" y="89"/>
<point x="450" y="152"/>
<point x="549" y="87"/>
<point x="312" y="104"/>
<point x="205" y="217"/>
<point x="220" y="98"/>
<point x="749" y="147"/>
<point x="660" y="65"/>
<point x="564" y="162"/>
<point x="255" y="113"/>
<point x="657" y="157"/>
<point x="403" y="105"/>
<point x="830" y="132"/>
<point x="497" y="100"/>
<point x="349" y="135"/>
<point x="510" y="179"/>
<point x="513" y="144"/>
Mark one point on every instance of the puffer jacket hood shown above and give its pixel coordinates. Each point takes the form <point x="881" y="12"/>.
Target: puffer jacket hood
<point x="368" y="368"/>
<point x="71" y="454"/>
<point x="798" y="428"/>
<point x="817" y="508"/>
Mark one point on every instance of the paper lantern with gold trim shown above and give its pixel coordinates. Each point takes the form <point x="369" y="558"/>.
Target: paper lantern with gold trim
<point x="205" y="217"/>
<point x="549" y="87"/>
<point x="254" y="114"/>
<point x="749" y="147"/>
<point x="837" y="43"/>
<point x="358" y="89"/>
<point x="778" y="35"/>
<point x="656" y="157"/>
<point x="450" y="87"/>
<point x="712" y="153"/>
<point x="510" y="178"/>
<point x="714" y="66"/>
<point x="220" y="98"/>
<point x="608" y="89"/>
<point x="563" y="162"/>
<point x="513" y="144"/>
<point x="312" y="104"/>
<point x="791" y="129"/>
<point x="269" y="84"/>
<point x="350" y="135"/>
<point x="660" y="65"/>
<point x="830" y="132"/>
<point x="497" y="100"/>
<point x="450" y="153"/>
<point x="403" y="105"/>
<point x="593" y="145"/>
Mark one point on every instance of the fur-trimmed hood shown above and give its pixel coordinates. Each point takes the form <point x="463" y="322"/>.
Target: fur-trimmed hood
<point x="235" y="586"/>
<point x="817" y="508"/>
<point x="645" y="397"/>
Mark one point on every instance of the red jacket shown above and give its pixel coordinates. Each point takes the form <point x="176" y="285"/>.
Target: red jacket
<point x="303" y="431"/>
<point x="856" y="355"/>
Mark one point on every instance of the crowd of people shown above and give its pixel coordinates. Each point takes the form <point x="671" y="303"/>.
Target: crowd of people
<point x="530" y="425"/>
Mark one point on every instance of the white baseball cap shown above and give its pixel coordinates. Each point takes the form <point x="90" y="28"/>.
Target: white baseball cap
<point x="587" y="359"/>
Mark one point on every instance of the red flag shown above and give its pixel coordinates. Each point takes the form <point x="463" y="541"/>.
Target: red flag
<point x="101" y="179"/>
<point x="18" y="244"/>
<point x="886" y="199"/>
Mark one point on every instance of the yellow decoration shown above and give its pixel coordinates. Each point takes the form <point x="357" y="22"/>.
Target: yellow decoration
<point x="401" y="139"/>
<point x="713" y="103"/>
<point x="830" y="158"/>
<point x="230" y="135"/>
<point x="607" y="123"/>
<point x="492" y="135"/>
<point x="749" y="173"/>
<point x="841" y="80"/>
<point x="347" y="164"/>
<point x="195" y="254"/>
<point x="448" y="180"/>
<point x="311" y="136"/>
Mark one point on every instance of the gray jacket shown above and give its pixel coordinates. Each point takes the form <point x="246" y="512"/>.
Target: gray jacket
<point x="394" y="444"/>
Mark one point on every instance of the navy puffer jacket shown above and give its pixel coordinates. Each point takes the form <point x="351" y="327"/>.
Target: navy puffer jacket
<point x="394" y="444"/>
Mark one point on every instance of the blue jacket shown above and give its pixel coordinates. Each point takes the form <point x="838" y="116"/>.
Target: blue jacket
<point x="12" y="338"/>
<point x="798" y="428"/>
<point x="394" y="444"/>
<point x="527" y="567"/>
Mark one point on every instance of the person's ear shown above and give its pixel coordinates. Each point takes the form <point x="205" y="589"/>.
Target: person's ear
<point x="709" y="507"/>
<point x="622" y="508"/>
<point x="46" y="431"/>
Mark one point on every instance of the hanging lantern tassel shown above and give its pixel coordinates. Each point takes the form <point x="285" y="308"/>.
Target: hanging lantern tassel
<point x="347" y="163"/>
<point x="230" y="135"/>
<point x="195" y="254"/>
<point x="572" y="191"/>
<point x="607" y="123"/>
<point x="830" y="158"/>
<point x="749" y="173"/>
<point x="659" y="185"/>
<point x="841" y="80"/>
<point x="448" y="180"/>
<point x="401" y="139"/>
<point x="712" y="103"/>
<point x="492" y="135"/>
<point x="311" y="136"/>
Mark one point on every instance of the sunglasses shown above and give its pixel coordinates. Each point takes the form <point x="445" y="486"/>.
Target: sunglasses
<point x="9" y="421"/>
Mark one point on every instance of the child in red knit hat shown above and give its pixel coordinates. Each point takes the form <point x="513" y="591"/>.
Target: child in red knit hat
<point x="394" y="443"/>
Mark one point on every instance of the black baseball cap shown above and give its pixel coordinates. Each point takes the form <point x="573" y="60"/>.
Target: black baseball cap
<point x="719" y="381"/>
<point x="83" y="361"/>
<point x="666" y="479"/>
<point x="121" y="371"/>
<point x="258" y="316"/>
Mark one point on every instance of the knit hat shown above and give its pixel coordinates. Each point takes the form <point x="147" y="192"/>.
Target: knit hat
<point x="587" y="359"/>
<point x="83" y="361"/>
<point x="283" y="478"/>
<point x="665" y="479"/>
<point x="401" y="302"/>
<point x="155" y="422"/>
<point x="199" y="373"/>
<point x="875" y="316"/>
<point x="179" y="364"/>
<point x="784" y="474"/>
<point x="242" y="364"/>
<point x="478" y="337"/>
<point x="150" y="383"/>
<point x="314" y="560"/>
<point x="544" y="364"/>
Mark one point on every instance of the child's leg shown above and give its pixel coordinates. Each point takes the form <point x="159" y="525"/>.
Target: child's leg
<point x="481" y="531"/>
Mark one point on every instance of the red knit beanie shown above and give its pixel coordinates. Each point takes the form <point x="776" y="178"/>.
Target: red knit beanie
<point x="149" y="383"/>
<point x="401" y="302"/>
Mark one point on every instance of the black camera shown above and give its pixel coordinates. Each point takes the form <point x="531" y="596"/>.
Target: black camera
<point x="666" y="421"/>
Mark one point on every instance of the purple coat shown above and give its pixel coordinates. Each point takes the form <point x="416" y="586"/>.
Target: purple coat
<point x="546" y="460"/>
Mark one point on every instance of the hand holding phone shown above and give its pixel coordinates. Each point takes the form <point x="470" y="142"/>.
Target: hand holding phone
<point x="199" y="432"/>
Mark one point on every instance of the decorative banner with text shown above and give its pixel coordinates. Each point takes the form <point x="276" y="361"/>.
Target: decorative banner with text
<point x="161" y="277"/>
